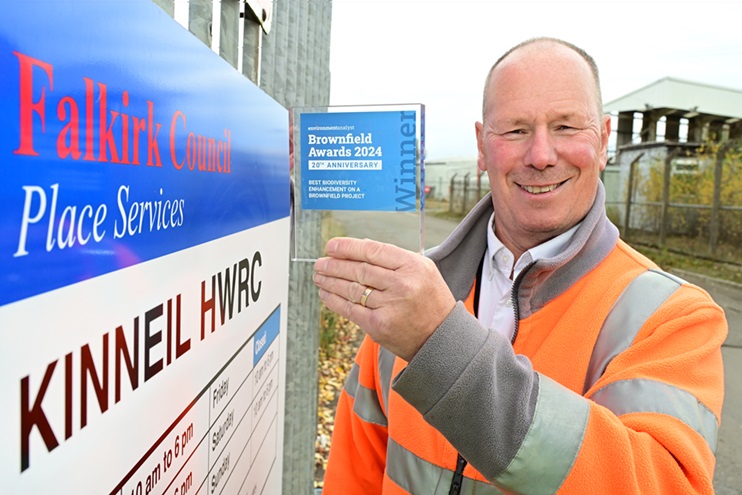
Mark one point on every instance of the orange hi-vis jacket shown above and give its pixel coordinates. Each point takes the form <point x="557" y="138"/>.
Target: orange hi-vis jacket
<point x="613" y="383"/>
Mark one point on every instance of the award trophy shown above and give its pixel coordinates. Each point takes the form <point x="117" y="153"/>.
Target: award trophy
<point x="362" y="170"/>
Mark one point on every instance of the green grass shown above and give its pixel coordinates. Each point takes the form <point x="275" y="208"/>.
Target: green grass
<point x="668" y="260"/>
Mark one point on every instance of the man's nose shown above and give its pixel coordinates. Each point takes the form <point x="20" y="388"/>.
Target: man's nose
<point x="541" y="150"/>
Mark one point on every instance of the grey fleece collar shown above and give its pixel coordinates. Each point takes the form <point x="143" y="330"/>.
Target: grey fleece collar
<point x="458" y="257"/>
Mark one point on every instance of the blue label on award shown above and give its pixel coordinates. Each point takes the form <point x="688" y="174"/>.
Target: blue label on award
<point x="359" y="161"/>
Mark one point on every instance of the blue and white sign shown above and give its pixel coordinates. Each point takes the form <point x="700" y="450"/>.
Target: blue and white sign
<point x="359" y="160"/>
<point x="144" y="245"/>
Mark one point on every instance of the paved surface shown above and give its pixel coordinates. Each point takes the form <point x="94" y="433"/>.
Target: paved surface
<point x="403" y="229"/>
<point x="728" y="478"/>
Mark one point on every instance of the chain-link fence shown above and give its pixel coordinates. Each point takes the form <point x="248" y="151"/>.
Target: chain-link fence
<point x="465" y="190"/>
<point x="689" y="201"/>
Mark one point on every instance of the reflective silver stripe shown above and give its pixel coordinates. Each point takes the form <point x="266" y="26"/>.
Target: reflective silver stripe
<point x="367" y="406"/>
<point x="552" y="443"/>
<point x="366" y="403"/>
<point x="351" y="383"/>
<point x="639" y="300"/>
<point x="417" y="475"/>
<point x="641" y="395"/>
<point x="386" y="366"/>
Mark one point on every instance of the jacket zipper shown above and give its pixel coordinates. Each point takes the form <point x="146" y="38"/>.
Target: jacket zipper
<point x="458" y="476"/>
<point x="514" y="298"/>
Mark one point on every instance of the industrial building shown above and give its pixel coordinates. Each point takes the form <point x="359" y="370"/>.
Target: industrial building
<point x="670" y="118"/>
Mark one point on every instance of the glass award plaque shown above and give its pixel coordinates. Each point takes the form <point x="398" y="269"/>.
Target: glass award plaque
<point x="359" y="171"/>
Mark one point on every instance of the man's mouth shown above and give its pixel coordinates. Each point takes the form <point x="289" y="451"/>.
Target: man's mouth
<point x="540" y="189"/>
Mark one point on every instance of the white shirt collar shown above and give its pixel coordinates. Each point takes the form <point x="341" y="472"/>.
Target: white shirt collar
<point x="495" y="302"/>
<point x="502" y="259"/>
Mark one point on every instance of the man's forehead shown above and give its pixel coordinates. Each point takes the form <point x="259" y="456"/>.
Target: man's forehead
<point x="544" y="67"/>
<point x="540" y="54"/>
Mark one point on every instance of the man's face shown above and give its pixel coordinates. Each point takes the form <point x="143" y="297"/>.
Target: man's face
<point x="542" y="143"/>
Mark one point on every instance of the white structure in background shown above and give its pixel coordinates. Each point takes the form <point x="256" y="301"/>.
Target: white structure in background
<point x="669" y="115"/>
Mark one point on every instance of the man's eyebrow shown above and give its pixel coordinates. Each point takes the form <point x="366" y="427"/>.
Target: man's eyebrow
<point x="572" y="116"/>
<point x="569" y="116"/>
<point x="511" y="122"/>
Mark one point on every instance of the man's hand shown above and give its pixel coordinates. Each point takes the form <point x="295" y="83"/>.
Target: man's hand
<point x="408" y="300"/>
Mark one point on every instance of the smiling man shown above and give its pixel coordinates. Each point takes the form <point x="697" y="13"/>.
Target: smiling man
<point x="543" y="142"/>
<point x="533" y="351"/>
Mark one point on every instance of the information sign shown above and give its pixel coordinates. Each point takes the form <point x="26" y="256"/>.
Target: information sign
<point x="144" y="248"/>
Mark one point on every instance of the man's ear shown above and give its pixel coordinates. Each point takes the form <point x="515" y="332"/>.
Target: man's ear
<point x="605" y="134"/>
<point x="479" y="129"/>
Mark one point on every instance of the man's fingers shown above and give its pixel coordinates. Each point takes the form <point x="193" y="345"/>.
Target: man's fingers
<point x="354" y="312"/>
<point x="350" y="290"/>
<point x="398" y="297"/>
<point x="376" y="253"/>
<point x="353" y="271"/>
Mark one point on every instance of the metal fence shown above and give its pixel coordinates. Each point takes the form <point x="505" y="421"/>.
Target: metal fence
<point x="690" y="205"/>
<point x="687" y="205"/>
<point x="464" y="191"/>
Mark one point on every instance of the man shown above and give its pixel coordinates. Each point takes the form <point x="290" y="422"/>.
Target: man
<point x="607" y="378"/>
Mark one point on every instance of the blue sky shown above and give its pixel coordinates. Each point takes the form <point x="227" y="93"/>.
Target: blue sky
<point x="438" y="52"/>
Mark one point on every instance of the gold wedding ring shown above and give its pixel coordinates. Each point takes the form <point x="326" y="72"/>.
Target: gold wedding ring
<point x="365" y="295"/>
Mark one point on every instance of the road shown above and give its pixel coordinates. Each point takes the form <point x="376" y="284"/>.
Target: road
<point x="403" y="229"/>
<point x="728" y="479"/>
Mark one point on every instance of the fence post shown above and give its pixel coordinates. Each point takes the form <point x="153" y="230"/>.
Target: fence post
<point x="466" y="194"/>
<point x="630" y="195"/>
<point x="666" y="178"/>
<point x="716" y="203"/>
<point x="302" y="360"/>
<point x="451" y="191"/>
